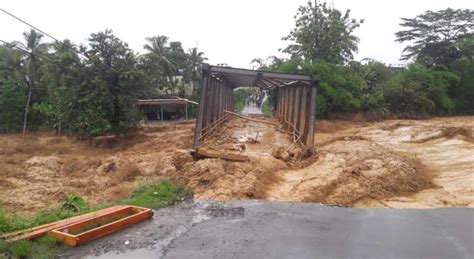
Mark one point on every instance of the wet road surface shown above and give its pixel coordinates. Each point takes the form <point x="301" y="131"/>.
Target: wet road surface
<point x="251" y="109"/>
<point x="265" y="229"/>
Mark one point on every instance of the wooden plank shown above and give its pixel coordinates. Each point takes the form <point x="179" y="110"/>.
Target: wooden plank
<point x="32" y="233"/>
<point x="63" y="234"/>
<point x="78" y="225"/>
<point x="222" y="155"/>
<point x="113" y="227"/>
<point x="61" y="222"/>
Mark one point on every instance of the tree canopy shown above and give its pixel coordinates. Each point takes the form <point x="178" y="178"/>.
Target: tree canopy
<point x="439" y="82"/>
<point x="92" y="89"/>
<point x="434" y="36"/>
<point x="323" y="33"/>
<point x="88" y="90"/>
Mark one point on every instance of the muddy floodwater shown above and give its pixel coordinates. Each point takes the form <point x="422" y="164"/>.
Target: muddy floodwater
<point x="445" y="146"/>
<point x="392" y="163"/>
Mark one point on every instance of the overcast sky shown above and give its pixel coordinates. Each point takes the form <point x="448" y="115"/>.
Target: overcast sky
<point x="228" y="31"/>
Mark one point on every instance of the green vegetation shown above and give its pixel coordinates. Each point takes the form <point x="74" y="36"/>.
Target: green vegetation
<point x="89" y="90"/>
<point x="157" y="195"/>
<point x="267" y="108"/>
<point x="151" y="195"/>
<point x="21" y="248"/>
<point x="73" y="202"/>
<point x="241" y="95"/>
<point x="439" y="81"/>
<point x="323" y="33"/>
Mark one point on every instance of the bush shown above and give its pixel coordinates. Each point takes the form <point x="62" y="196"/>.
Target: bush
<point x="12" y="106"/>
<point x="420" y="91"/>
<point x="340" y="89"/>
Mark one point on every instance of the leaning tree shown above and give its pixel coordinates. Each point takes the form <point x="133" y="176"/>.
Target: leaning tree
<point x="36" y="51"/>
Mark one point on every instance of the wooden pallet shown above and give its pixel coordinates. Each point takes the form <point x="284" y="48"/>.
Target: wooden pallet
<point x="38" y="231"/>
<point x="136" y="214"/>
<point x="85" y="230"/>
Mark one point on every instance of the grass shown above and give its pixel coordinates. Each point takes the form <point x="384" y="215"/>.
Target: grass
<point x="239" y="106"/>
<point x="151" y="195"/>
<point x="267" y="108"/>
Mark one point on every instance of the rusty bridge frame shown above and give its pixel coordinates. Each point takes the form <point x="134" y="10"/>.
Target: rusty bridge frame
<point x="295" y="100"/>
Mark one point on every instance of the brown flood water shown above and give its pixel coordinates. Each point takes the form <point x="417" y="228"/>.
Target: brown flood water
<point x="394" y="163"/>
<point x="449" y="156"/>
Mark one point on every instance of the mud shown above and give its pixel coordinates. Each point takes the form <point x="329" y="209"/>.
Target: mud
<point x="444" y="146"/>
<point x="393" y="163"/>
<point x="38" y="171"/>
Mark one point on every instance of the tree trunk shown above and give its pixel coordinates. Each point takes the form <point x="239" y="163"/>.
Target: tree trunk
<point x="25" y="118"/>
<point x="192" y="87"/>
<point x="193" y="78"/>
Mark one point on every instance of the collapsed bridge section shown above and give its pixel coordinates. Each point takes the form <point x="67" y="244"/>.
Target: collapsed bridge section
<point x="294" y="100"/>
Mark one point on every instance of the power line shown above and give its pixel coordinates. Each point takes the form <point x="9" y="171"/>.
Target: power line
<point x="35" y="28"/>
<point x="26" y="51"/>
<point x="15" y="46"/>
<point x="32" y="26"/>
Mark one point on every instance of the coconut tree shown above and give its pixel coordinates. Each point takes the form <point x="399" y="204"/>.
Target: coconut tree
<point x="159" y="55"/>
<point x="36" y="50"/>
<point x="196" y="59"/>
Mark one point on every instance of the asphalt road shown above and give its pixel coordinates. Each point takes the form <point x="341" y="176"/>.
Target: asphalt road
<point x="264" y="229"/>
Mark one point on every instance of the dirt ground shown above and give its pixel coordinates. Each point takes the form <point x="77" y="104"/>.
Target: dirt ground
<point x="38" y="171"/>
<point x="393" y="163"/>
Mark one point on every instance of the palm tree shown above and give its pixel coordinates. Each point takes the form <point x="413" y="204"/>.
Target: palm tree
<point x="196" y="59"/>
<point x="36" y="49"/>
<point x="159" y="54"/>
<point x="13" y="62"/>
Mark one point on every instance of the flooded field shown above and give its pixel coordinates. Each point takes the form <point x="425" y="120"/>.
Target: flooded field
<point x="430" y="161"/>
<point x="37" y="172"/>
<point x="394" y="163"/>
<point x="445" y="146"/>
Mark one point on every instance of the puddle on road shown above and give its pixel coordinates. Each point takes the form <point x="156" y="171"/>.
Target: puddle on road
<point x="202" y="211"/>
